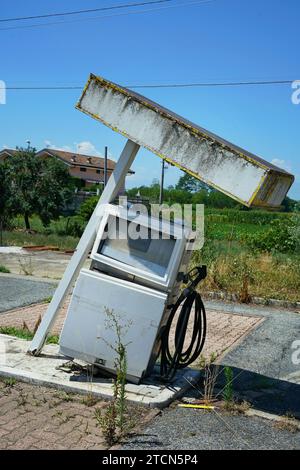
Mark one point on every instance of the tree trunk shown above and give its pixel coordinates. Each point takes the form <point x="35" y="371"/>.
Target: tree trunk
<point x="27" y="224"/>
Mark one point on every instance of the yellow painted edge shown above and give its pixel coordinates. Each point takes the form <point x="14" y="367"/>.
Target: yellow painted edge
<point x="78" y="104"/>
<point x="271" y="172"/>
<point x="202" y="407"/>
<point x="262" y="180"/>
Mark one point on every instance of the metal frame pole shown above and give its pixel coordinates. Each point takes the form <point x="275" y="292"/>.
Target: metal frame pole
<point x="105" y="166"/>
<point x="162" y="181"/>
<point x="85" y="244"/>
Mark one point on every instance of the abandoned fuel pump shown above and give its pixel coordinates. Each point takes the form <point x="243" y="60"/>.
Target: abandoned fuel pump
<point x="136" y="279"/>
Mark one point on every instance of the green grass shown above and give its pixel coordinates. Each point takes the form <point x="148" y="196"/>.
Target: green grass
<point x="24" y="333"/>
<point x="43" y="236"/>
<point x="4" y="269"/>
<point x="226" y="252"/>
<point x="9" y="382"/>
<point x="230" y="231"/>
<point x="269" y="275"/>
<point x="15" y="238"/>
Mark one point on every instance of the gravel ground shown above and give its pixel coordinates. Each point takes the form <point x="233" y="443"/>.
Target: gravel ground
<point x="18" y="292"/>
<point x="188" y="429"/>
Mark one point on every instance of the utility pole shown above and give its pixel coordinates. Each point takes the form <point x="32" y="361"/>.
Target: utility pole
<point x="162" y="178"/>
<point x="105" y="165"/>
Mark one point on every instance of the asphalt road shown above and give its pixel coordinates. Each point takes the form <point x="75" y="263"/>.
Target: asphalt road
<point x="267" y="350"/>
<point x="18" y="291"/>
<point x="189" y="429"/>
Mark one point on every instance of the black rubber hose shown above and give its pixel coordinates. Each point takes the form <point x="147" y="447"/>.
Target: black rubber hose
<point x="184" y="356"/>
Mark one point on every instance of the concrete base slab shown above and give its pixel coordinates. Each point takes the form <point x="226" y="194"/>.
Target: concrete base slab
<point x="51" y="369"/>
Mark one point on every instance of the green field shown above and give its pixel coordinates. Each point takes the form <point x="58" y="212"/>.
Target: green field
<point x="235" y="265"/>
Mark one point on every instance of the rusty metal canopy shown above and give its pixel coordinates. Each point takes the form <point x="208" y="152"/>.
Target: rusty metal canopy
<point x="236" y="172"/>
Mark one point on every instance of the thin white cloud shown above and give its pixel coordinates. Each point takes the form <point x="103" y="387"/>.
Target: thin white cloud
<point x="88" y="148"/>
<point x="281" y="164"/>
<point x="51" y="145"/>
<point x="84" y="147"/>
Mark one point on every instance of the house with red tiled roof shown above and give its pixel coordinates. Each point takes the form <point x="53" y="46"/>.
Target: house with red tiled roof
<point x="89" y="169"/>
<point x="7" y="152"/>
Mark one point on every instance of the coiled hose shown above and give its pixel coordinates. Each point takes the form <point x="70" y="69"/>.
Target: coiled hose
<point x="183" y="357"/>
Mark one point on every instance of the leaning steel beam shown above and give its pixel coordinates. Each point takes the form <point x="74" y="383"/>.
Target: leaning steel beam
<point x="221" y="164"/>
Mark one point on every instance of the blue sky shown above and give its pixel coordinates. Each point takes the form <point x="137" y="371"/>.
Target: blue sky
<point x="221" y="40"/>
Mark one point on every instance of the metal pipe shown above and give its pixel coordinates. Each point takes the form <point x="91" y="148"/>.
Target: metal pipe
<point x="105" y="166"/>
<point x="162" y="178"/>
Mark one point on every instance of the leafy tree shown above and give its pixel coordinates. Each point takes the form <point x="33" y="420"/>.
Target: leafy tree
<point x="87" y="208"/>
<point x="177" y="196"/>
<point x="219" y="200"/>
<point x="38" y="186"/>
<point x="201" y="197"/>
<point x="289" y="205"/>
<point x="148" y="192"/>
<point x="191" y="184"/>
<point x="5" y="197"/>
<point x="282" y="235"/>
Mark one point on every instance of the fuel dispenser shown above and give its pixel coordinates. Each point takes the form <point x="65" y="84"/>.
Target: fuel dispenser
<point x="138" y="263"/>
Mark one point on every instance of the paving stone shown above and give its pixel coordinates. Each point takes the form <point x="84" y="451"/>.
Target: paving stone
<point x="44" y="429"/>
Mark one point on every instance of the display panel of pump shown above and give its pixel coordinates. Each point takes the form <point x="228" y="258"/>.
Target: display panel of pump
<point x="137" y="247"/>
<point x="133" y="273"/>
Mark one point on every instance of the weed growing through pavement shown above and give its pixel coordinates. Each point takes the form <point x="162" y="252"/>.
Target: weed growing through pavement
<point x="26" y="266"/>
<point x="228" y="389"/>
<point x="63" y="396"/>
<point x="4" y="269"/>
<point x="211" y="373"/>
<point x="90" y="399"/>
<point x="9" y="382"/>
<point x="22" y="399"/>
<point x="210" y="376"/>
<point x="113" y="420"/>
<point x="288" y="423"/>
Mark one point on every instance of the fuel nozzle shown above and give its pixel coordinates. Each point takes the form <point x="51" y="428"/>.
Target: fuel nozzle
<point x="196" y="275"/>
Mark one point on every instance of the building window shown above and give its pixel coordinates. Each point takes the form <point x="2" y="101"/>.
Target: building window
<point x="82" y="168"/>
<point x="98" y="171"/>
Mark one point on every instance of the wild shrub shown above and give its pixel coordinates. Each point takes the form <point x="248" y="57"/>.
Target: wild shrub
<point x="282" y="235"/>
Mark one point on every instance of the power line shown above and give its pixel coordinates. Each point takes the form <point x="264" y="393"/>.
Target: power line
<point x="148" y="10"/>
<point x="173" y="85"/>
<point x="79" y="12"/>
<point x="218" y="84"/>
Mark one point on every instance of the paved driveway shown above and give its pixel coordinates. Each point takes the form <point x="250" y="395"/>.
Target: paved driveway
<point x="20" y="291"/>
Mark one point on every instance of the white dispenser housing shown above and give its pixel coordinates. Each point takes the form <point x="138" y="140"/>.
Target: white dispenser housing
<point x="131" y="277"/>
